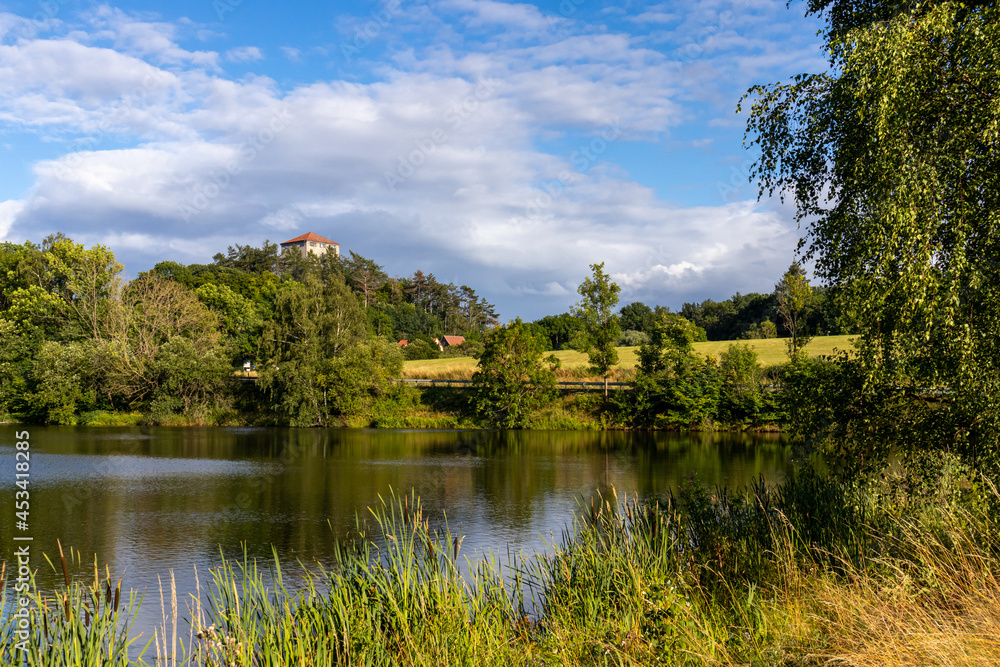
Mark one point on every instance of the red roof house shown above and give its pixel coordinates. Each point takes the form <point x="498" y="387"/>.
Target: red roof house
<point x="312" y="243"/>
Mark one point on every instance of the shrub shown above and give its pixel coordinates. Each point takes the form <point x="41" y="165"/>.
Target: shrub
<point x="742" y="398"/>
<point x="633" y="338"/>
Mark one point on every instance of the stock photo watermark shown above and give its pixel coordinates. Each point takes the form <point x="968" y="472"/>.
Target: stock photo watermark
<point x="582" y="159"/>
<point x="125" y="107"/>
<point x="46" y="11"/>
<point x="220" y="180"/>
<point x="567" y="8"/>
<point x="22" y="551"/>
<point x="369" y="31"/>
<point x="739" y="177"/>
<point x="454" y="118"/>
<point x="223" y="7"/>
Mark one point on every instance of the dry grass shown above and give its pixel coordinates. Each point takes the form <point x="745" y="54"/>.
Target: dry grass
<point x="947" y="615"/>
<point x="573" y="363"/>
<point x="622" y="588"/>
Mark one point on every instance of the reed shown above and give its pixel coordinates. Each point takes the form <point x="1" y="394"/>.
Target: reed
<point x="81" y="624"/>
<point x="812" y="571"/>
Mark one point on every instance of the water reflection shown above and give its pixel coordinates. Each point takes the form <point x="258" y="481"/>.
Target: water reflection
<point x="151" y="500"/>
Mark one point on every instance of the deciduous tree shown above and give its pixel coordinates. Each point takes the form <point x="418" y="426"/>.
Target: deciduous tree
<point x="512" y="380"/>
<point x="793" y="295"/>
<point x="893" y="160"/>
<point x="313" y="325"/>
<point x="601" y="327"/>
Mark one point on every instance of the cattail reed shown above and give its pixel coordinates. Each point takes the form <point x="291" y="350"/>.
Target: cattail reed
<point x="62" y="559"/>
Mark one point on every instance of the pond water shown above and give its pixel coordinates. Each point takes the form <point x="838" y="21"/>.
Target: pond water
<point x="148" y="501"/>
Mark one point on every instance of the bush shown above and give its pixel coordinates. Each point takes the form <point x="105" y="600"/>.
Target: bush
<point x="513" y="380"/>
<point x="421" y="348"/>
<point x="743" y="398"/>
<point x="63" y="382"/>
<point x="632" y="338"/>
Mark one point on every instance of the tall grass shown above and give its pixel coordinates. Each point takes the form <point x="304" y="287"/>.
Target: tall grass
<point x="394" y="596"/>
<point x="83" y="625"/>
<point x="811" y="571"/>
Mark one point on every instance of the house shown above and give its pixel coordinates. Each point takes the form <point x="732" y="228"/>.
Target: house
<point x="312" y="243"/>
<point x="443" y="343"/>
<point x="448" y="341"/>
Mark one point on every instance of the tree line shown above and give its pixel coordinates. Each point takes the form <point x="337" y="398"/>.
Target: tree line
<point x="740" y="317"/>
<point x="672" y="388"/>
<point x="76" y="338"/>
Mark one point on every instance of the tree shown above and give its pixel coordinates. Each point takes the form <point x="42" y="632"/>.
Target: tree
<point x="250" y="259"/>
<point x="512" y="380"/>
<point x="147" y="314"/>
<point x="20" y="347"/>
<point x="239" y="319"/>
<point x="83" y="279"/>
<point x="357" y="378"/>
<point x="560" y="329"/>
<point x="794" y="295"/>
<point x="188" y="379"/>
<point x="893" y="160"/>
<point x="742" y="383"/>
<point x="637" y="317"/>
<point x="673" y="388"/>
<point x="670" y="339"/>
<point x="365" y="275"/>
<point x="61" y="382"/>
<point x="313" y="325"/>
<point x="601" y="327"/>
<point x="421" y="347"/>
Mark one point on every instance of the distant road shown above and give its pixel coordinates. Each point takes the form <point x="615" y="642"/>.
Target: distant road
<point x="611" y="385"/>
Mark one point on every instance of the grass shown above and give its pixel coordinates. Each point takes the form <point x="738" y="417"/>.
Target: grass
<point x="704" y="578"/>
<point x="573" y="364"/>
<point x="84" y="625"/>
<point x="107" y="418"/>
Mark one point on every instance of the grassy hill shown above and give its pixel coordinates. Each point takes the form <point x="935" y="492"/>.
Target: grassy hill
<point x="769" y="351"/>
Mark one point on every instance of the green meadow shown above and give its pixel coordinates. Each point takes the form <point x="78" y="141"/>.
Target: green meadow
<point x="769" y="351"/>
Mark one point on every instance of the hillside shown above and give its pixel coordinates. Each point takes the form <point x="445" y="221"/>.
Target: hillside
<point x="770" y="351"/>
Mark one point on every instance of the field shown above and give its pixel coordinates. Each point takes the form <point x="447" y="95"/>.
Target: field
<point x="769" y="351"/>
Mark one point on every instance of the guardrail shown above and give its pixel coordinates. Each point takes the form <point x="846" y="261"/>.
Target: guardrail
<point x="450" y="383"/>
<point x="447" y="383"/>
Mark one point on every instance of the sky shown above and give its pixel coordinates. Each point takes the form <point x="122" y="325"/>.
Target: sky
<point x="507" y="146"/>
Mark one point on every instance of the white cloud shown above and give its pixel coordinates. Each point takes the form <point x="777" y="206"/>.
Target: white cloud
<point x="654" y="17"/>
<point x="244" y="54"/>
<point x="150" y="39"/>
<point x="293" y="54"/>
<point x="69" y="72"/>
<point x="493" y="13"/>
<point x="457" y="133"/>
<point x="9" y="210"/>
<point x="282" y="220"/>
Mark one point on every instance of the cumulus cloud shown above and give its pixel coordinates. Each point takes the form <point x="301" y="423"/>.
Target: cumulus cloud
<point x="151" y="39"/>
<point x="244" y="54"/>
<point x="436" y="164"/>
<point x="9" y="210"/>
<point x="493" y="13"/>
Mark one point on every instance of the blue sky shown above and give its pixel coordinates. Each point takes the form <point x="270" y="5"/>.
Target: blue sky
<point x="502" y="145"/>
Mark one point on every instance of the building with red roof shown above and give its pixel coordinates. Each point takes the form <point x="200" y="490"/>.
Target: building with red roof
<point x="312" y="243"/>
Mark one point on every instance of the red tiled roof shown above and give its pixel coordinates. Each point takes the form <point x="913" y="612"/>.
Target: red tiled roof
<point x="454" y="340"/>
<point x="403" y="343"/>
<point x="310" y="236"/>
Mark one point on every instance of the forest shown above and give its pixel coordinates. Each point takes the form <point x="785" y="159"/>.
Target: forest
<point x="79" y="344"/>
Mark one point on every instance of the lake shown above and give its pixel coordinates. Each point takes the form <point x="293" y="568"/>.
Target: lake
<point x="150" y="500"/>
